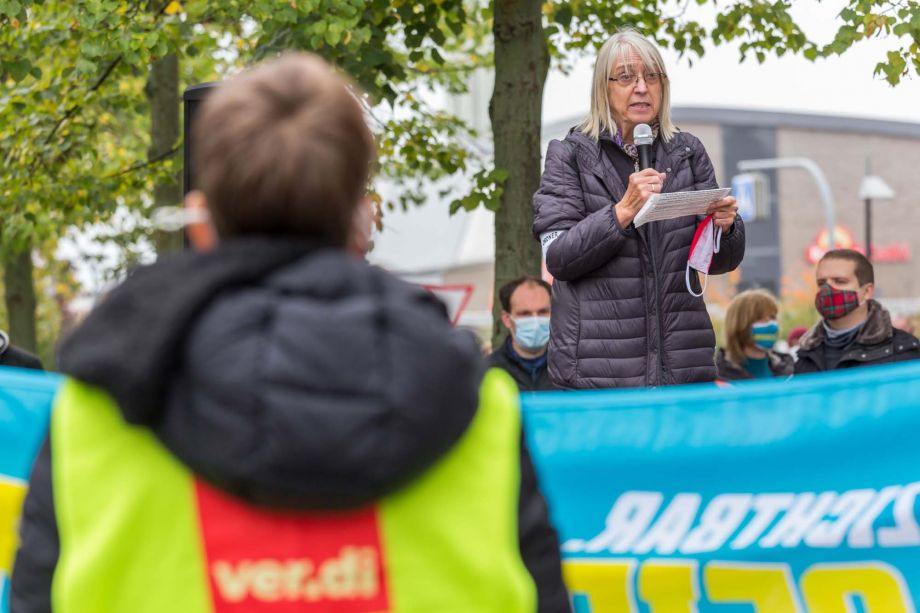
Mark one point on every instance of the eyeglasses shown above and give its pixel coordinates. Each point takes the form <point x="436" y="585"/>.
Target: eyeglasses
<point x="650" y="78"/>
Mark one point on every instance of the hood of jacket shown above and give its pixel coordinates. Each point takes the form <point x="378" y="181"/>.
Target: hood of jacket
<point x="286" y="374"/>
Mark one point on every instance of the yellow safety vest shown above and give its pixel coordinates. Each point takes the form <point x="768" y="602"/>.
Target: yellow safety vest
<point x="140" y="533"/>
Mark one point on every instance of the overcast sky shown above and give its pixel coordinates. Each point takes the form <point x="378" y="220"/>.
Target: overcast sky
<point x="838" y="86"/>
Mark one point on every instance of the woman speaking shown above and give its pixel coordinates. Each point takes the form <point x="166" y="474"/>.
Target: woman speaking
<point x="626" y="313"/>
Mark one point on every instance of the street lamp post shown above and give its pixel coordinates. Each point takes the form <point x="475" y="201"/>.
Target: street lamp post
<point x="873" y="187"/>
<point x="824" y="189"/>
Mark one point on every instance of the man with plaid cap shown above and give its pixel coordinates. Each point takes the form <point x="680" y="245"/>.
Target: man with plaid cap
<point x="854" y="330"/>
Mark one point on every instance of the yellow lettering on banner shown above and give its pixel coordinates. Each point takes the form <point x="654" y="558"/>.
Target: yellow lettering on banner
<point x="606" y="585"/>
<point x="828" y="588"/>
<point x="766" y="586"/>
<point x="11" y="496"/>
<point x="669" y="587"/>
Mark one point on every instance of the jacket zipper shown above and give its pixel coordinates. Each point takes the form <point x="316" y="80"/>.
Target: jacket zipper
<point x="645" y="243"/>
<point x="658" y="321"/>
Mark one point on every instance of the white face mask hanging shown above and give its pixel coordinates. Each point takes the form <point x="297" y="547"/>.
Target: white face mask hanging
<point x="705" y="244"/>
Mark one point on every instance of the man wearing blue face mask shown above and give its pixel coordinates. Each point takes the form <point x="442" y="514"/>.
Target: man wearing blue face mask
<point x="525" y="313"/>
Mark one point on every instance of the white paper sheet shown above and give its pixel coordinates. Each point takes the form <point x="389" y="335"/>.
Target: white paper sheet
<point x="678" y="204"/>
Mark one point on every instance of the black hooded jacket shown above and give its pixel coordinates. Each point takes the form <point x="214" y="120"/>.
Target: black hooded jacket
<point x="505" y="358"/>
<point x="288" y="375"/>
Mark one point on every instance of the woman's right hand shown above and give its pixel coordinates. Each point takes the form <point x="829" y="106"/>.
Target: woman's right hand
<point x="641" y="186"/>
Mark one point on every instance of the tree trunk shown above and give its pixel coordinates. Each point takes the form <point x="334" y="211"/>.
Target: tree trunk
<point x="20" y="299"/>
<point x="162" y="91"/>
<point x="516" y="109"/>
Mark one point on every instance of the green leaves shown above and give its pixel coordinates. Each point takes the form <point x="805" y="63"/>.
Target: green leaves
<point x="489" y="186"/>
<point x="11" y="8"/>
<point x="20" y="69"/>
<point x="892" y="19"/>
<point x="894" y="68"/>
<point x="73" y="117"/>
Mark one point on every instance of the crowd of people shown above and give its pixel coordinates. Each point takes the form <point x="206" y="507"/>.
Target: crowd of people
<point x="852" y="330"/>
<point x="269" y="382"/>
<point x="627" y="310"/>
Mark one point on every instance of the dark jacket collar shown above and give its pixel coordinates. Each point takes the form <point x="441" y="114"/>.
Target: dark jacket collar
<point x="590" y="155"/>
<point x="780" y="364"/>
<point x="876" y="329"/>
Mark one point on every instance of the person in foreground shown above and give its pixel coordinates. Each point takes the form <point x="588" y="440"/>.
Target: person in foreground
<point x="623" y="311"/>
<point x="854" y="329"/>
<point x="750" y="332"/>
<point x="525" y="314"/>
<point x="277" y="424"/>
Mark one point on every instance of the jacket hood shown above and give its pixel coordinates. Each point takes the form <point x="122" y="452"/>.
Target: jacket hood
<point x="284" y="373"/>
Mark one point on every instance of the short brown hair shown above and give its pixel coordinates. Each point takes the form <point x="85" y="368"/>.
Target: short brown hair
<point x="746" y="309"/>
<point x="864" y="271"/>
<point x="283" y="149"/>
<point x="507" y="290"/>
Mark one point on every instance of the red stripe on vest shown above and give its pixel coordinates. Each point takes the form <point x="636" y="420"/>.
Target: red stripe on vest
<point x="279" y="561"/>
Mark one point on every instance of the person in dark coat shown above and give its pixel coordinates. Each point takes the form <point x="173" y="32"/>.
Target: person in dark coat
<point x="272" y="362"/>
<point x="11" y="355"/>
<point x="525" y="313"/>
<point x="854" y="330"/>
<point x="750" y="332"/>
<point x="623" y="311"/>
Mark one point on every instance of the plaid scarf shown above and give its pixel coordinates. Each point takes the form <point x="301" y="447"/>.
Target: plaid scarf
<point x="834" y="303"/>
<point x="630" y="148"/>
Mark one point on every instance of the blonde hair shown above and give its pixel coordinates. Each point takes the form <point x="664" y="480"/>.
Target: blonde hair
<point x="618" y="48"/>
<point x="746" y="309"/>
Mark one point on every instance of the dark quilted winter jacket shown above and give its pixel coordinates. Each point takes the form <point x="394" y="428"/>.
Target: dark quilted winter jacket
<point x="877" y="342"/>
<point x="622" y="315"/>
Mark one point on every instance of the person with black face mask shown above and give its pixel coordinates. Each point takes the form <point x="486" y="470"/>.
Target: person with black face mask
<point x="854" y="330"/>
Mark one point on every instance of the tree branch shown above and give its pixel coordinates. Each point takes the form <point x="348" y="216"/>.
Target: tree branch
<point x="72" y="110"/>
<point x="150" y="162"/>
<point x="98" y="83"/>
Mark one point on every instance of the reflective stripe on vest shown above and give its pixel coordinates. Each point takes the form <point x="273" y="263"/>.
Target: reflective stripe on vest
<point x="140" y="534"/>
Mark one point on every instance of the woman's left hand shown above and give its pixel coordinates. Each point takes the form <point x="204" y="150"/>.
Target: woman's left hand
<point x="723" y="213"/>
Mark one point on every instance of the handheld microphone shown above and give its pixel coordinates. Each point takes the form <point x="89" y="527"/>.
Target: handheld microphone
<point x="642" y="138"/>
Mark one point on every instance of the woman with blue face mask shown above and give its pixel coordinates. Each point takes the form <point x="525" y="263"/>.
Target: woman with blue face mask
<point x="750" y="332"/>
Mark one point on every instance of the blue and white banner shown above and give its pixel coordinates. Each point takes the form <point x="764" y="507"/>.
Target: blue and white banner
<point x="774" y="497"/>
<point x="25" y="407"/>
